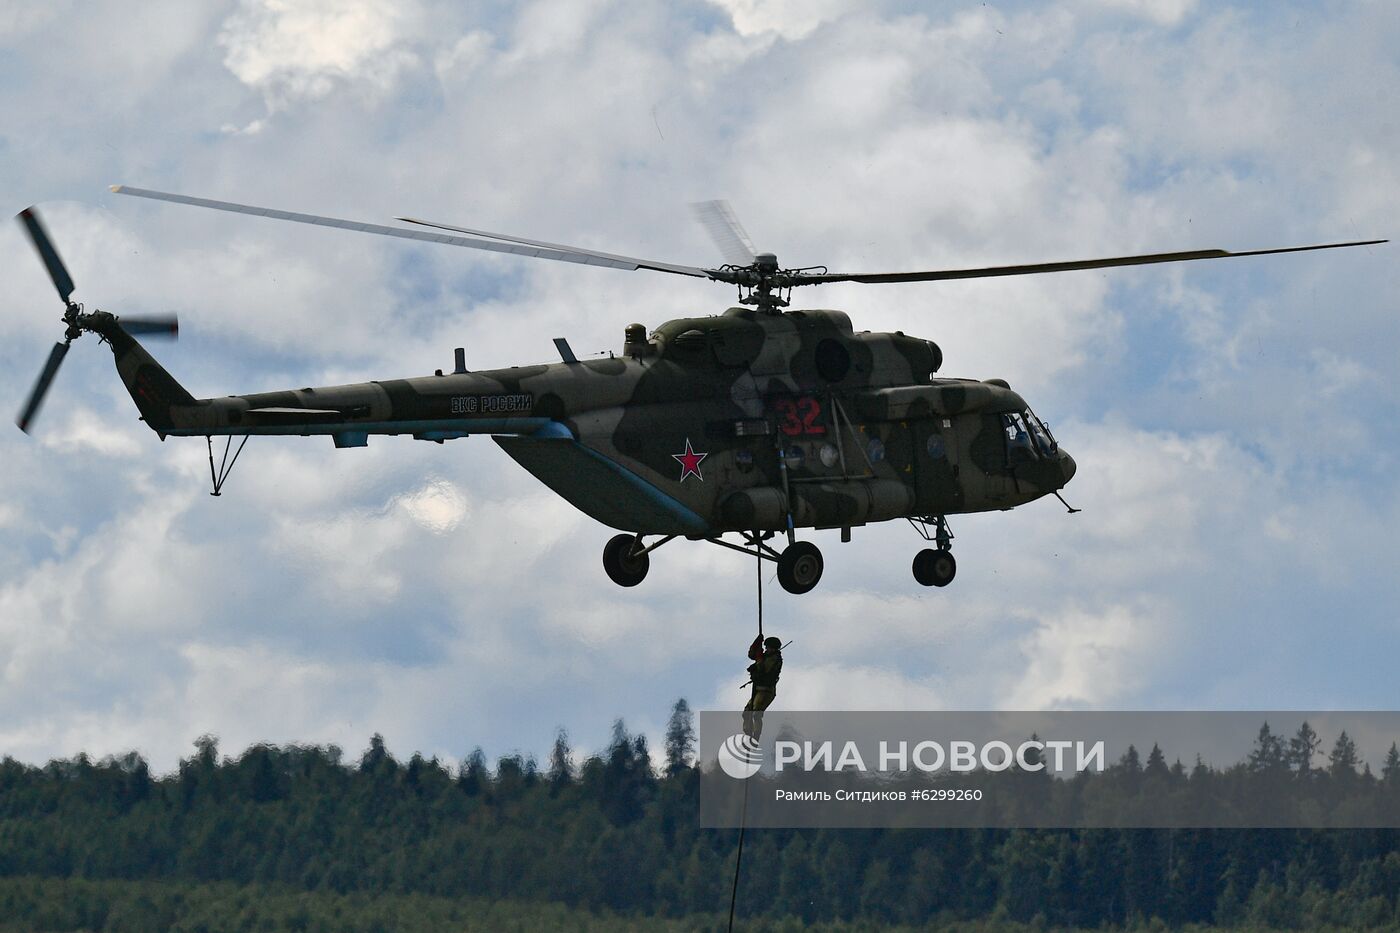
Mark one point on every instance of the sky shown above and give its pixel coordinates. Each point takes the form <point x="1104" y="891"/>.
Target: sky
<point x="1234" y="422"/>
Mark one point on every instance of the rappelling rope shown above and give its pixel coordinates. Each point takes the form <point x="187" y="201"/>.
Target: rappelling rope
<point x="743" y="814"/>
<point x="739" y="859"/>
<point x="758" y="564"/>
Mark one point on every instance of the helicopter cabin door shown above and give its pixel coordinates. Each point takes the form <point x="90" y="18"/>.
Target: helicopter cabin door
<point x="937" y="456"/>
<point x="990" y="455"/>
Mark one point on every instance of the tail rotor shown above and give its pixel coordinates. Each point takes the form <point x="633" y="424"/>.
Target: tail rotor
<point x="41" y="387"/>
<point x="74" y="317"/>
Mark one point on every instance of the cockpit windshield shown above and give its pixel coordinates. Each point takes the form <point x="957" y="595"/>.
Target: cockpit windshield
<point x="1027" y="437"/>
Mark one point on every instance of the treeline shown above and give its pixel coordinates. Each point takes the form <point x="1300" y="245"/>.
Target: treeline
<point x="79" y="905"/>
<point x="612" y="834"/>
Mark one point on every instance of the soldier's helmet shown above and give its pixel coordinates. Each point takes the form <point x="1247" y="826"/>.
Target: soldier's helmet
<point x="772" y="644"/>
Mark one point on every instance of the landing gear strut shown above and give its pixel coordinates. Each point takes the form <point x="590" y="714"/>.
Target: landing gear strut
<point x="626" y="558"/>
<point x="934" y="567"/>
<point x="799" y="564"/>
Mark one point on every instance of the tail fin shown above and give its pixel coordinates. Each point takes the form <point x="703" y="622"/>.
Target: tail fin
<point x="154" y="390"/>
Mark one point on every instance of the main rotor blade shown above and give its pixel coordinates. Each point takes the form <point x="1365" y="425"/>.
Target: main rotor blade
<point x="41" y="387"/>
<point x="40" y="238"/>
<point x="515" y="246"/>
<point x="158" y="326"/>
<point x="1037" y="268"/>
<point x="719" y="221"/>
<point x="611" y="259"/>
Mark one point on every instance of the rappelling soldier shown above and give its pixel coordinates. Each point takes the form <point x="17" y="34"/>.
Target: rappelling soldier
<point x="767" y="657"/>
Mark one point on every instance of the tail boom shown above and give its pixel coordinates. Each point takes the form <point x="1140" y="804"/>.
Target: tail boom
<point x="157" y="394"/>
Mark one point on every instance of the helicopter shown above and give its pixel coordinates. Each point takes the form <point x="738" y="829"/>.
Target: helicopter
<point x="759" y="421"/>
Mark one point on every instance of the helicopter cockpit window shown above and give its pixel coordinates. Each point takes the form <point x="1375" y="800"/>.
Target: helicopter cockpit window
<point x="1040" y="434"/>
<point x="1018" y="438"/>
<point x="1027" y="438"/>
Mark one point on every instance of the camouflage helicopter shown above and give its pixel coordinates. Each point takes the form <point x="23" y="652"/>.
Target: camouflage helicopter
<point x="758" y="422"/>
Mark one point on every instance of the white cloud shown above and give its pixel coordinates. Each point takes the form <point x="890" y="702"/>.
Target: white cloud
<point x="348" y="559"/>
<point x="1227" y="418"/>
<point x="25" y="16"/>
<point x="1163" y="12"/>
<point x="463" y="56"/>
<point x="1147" y="484"/>
<point x="1084" y="659"/>
<point x="439" y="506"/>
<point x="231" y="687"/>
<point x="85" y="432"/>
<point x="791" y="19"/>
<point x="301" y="49"/>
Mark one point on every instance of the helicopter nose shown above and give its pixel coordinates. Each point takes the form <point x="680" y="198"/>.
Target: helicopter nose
<point x="1067" y="468"/>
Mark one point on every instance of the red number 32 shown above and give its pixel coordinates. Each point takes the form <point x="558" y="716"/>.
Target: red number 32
<point x="799" y="416"/>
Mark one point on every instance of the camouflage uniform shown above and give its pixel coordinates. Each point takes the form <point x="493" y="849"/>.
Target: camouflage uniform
<point x="767" y="665"/>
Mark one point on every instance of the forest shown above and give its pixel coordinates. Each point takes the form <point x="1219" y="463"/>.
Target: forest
<point x="610" y="840"/>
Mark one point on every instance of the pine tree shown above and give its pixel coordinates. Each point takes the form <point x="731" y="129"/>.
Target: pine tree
<point x="1344" y="758"/>
<point x="259" y="774"/>
<point x="626" y="776"/>
<point x="561" y="766"/>
<point x="199" y="773"/>
<point x="1268" y="756"/>
<point x="680" y="738"/>
<point x="472" y="776"/>
<point x="1156" y="762"/>
<point x="1301" y="749"/>
<point x="1390" y="771"/>
<point x="375" y="755"/>
<point x="208" y="746"/>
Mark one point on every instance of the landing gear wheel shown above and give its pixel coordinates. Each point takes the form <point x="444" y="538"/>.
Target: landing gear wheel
<point x="934" y="568"/>
<point x="799" y="567"/>
<point x="624" y="567"/>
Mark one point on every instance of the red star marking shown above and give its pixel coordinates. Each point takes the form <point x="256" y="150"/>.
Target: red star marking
<point x="690" y="462"/>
